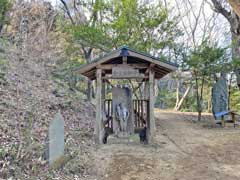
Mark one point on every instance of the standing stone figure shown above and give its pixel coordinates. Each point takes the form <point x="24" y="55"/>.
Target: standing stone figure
<point x="122" y="108"/>
<point x="122" y="115"/>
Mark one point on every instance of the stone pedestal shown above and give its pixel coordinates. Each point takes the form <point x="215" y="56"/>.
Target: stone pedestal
<point x="129" y="139"/>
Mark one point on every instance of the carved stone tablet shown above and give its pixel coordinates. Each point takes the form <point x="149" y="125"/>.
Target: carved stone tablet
<point x="220" y="96"/>
<point x="118" y="72"/>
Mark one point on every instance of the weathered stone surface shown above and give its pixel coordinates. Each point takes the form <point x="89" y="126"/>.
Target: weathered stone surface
<point x="220" y="96"/>
<point x="56" y="138"/>
<point x="122" y="96"/>
<point x="130" y="139"/>
<point x="125" y="72"/>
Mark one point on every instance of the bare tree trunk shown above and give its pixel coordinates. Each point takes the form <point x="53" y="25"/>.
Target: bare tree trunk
<point x="199" y="115"/>
<point x="199" y="98"/>
<point x="180" y="103"/>
<point x="87" y="55"/>
<point x="234" y="21"/>
<point x="236" y="53"/>
<point x="235" y="5"/>
<point x="1" y="27"/>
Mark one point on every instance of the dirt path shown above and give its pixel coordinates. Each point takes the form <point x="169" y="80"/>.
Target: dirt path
<point x="183" y="150"/>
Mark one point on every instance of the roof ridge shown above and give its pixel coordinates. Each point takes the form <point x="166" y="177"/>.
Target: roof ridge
<point x="148" y="55"/>
<point x="134" y="50"/>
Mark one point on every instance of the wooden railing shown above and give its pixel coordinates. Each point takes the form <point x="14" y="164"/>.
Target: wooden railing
<point x="140" y="115"/>
<point x="140" y="107"/>
<point x="109" y="112"/>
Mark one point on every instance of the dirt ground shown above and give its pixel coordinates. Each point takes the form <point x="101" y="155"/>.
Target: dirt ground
<point x="184" y="149"/>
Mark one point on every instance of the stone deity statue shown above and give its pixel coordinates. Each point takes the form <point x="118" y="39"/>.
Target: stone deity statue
<point x="122" y="115"/>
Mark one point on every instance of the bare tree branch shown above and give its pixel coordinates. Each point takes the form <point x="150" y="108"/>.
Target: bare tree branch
<point x="67" y="11"/>
<point x="235" y="4"/>
<point x="219" y="9"/>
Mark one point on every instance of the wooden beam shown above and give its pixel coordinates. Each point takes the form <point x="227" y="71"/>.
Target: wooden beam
<point x="154" y="61"/>
<point x="151" y="66"/>
<point x="161" y="70"/>
<point x="89" y="73"/>
<point x="92" y="65"/>
<point x="130" y="77"/>
<point x="124" y="59"/>
<point x="134" y="65"/>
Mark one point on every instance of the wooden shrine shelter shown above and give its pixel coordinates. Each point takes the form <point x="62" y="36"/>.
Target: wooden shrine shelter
<point x="126" y="63"/>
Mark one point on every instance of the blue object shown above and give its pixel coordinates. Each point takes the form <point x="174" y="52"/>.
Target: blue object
<point x="124" y="52"/>
<point x="219" y="114"/>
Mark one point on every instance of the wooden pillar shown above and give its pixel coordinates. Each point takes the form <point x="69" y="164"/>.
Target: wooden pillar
<point x="146" y="96"/>
<point x="104" y="113"/>
<point x="155" y="90"/>
<point x="98" y="130"/>
<point x="103" y="96"/>
<point x="89" y="90"/>
<point x="103" y="89"/>
<point x="151" y="106"/>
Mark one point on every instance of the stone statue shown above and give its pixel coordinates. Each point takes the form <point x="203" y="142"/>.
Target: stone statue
<point x="122" y="115"/>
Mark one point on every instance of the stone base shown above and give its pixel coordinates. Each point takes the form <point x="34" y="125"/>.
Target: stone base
<point x="122" y="135"/>
<point x="123" y="139"/>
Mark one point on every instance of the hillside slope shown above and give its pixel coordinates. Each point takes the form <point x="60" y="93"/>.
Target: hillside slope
<point x="29" y="99"/>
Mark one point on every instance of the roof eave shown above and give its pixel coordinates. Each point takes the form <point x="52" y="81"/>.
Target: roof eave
<point x="169" y="67"/>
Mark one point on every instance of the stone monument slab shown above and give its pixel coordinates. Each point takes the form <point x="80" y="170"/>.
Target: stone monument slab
<point x="56" y="138"/>
<point x="220" y="96"/>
